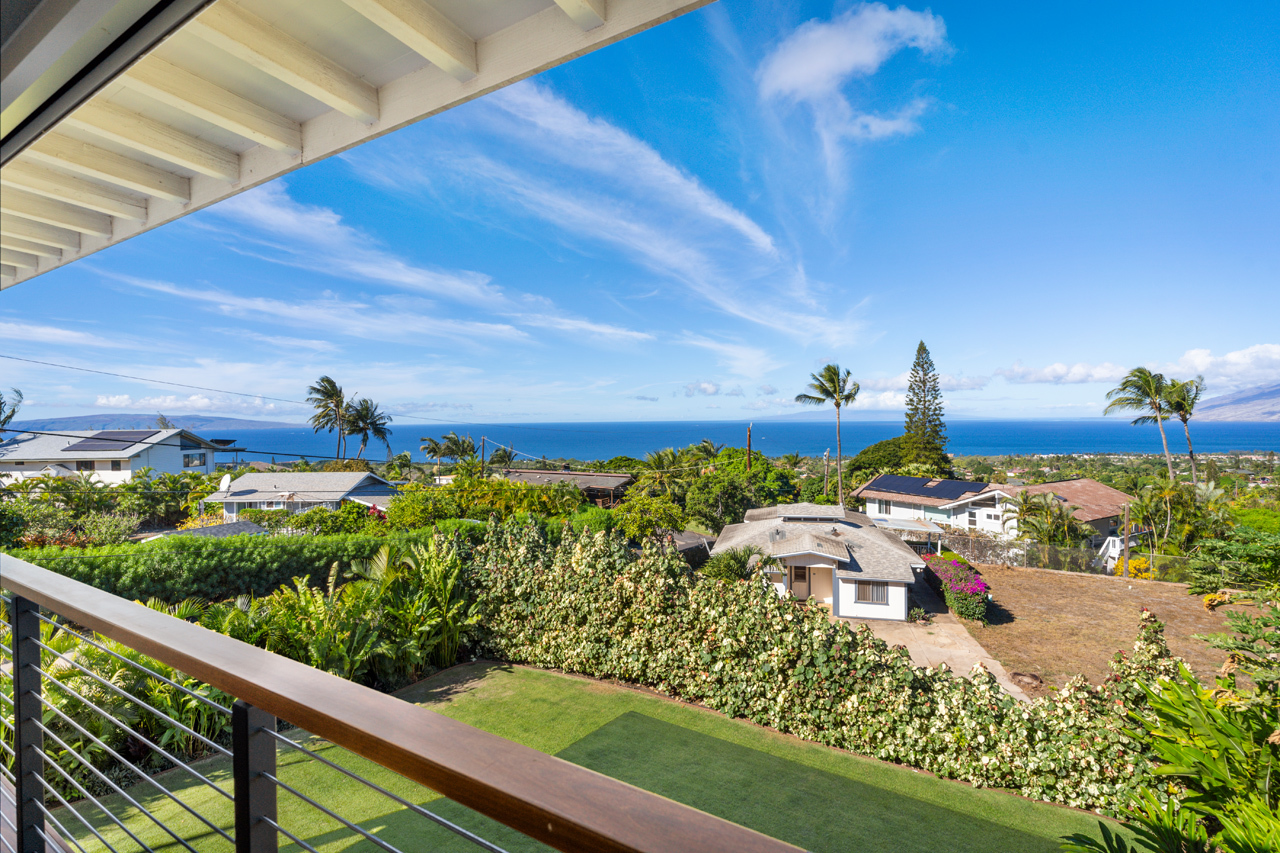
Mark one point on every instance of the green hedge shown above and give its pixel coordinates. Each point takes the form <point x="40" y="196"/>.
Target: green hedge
<point x="591" y="606"/>
<point x="179" y="567"/>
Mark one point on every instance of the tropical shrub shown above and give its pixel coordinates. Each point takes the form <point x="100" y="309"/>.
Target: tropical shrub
<point x="641" y="516"/>
<point x="210" y="518"/>
<point x="1138" y="567"/>
<point x="418" y="506"/>
<point x="959" y="584"/>
<point x="593" y="606"/>
<point x="1244" y="558"/>
<point x="733" y="564"/>
<point x="12" y="525"/>
<point x="274" y="520"/>
<point x="109" y="528"/>
<point x="178" y="567"/>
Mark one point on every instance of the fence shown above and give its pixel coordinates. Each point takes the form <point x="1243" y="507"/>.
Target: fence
<point x="1038" y="555"/>
<point x="71" y="787"/>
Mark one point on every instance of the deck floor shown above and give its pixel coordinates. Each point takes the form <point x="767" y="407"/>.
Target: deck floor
<point x="8" y="820"/>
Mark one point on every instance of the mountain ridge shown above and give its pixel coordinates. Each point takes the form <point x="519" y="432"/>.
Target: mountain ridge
<point x="124" y="420"/>
<point x="1259" y="403"/>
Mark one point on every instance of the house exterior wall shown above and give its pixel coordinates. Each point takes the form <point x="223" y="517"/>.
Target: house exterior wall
<point x="988" y="518"/>
<point x="847" y="605"/>
<point x="166" y="457"/>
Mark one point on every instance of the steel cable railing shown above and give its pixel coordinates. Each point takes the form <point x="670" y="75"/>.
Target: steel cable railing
<point x="413" y="807"/>
<point x="93" y="668"/>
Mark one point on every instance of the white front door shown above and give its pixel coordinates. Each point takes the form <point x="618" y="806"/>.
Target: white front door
<point x="800" y="582"/>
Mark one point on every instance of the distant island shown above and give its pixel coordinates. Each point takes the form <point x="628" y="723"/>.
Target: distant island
<point x="143" y="421"/>
<point x="1260" y="403"/>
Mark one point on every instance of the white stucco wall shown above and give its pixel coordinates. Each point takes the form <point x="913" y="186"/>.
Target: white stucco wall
<point x="848" y="605"/>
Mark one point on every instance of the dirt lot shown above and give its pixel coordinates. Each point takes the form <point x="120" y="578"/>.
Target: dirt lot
<point x="1059" y="624"/>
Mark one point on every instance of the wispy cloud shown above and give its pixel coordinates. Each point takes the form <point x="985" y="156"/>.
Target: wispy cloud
<point x="283" y="341"/>
<point x="56" y="336"/>
<point x="583" y="327"/>
<point x="813" y="64"/>
<point x="743" y="360"/>
<point x="316" y="238"/>
<point x="381" y="319"/>
<point x="566" y="132"/>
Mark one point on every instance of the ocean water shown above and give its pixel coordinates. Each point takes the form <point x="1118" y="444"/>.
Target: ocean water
<point x="589" y="441"/>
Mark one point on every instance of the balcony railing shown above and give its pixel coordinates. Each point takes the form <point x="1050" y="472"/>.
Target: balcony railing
<point x="560" y="804"/>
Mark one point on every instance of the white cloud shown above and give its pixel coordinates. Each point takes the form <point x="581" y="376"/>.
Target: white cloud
<point x="317" y="239"/>
<point x="395" y="318"/>
<point x="706" y="389"/>
<point x="743" y="360"/>
<point x="766" y="390"/>
<point x="736" y="391"/>
<point x="819" y="57"/>
<point x="284" y="342"/>
<point x="583" y="327"/>
<point x="55" y="335"/>
<point x="1255" y="365"/>
<point x="813" y="63"/>
<point x="569" y="133"/>
<point x="644" y="398"/>
<point x="1063" y="374"/>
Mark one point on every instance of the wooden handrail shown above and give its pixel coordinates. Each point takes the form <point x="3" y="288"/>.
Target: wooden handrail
<point x="568" y="807"/>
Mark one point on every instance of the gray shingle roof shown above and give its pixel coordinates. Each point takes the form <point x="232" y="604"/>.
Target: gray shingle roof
<point x="35" y="447"/>
<point x="860" y="550"/>
<point x="305" y="487"/>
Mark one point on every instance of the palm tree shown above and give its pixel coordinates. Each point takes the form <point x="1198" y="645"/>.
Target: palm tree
<point x="9" y="409"/>
<point x="705" y="449"/>
<point x="791" y="461"/>
<point x="331" y="409"/>
<point x="832" y="385"/>
<point x="457" y="447"/>
<point x="1181" y="398"/>
<point x="365" y="419"/>
<point x="501" y="457"/>
<point x="1143" y="391"/>
<point x="434" y="448"/>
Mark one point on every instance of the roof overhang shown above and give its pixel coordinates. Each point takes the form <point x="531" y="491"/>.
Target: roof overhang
<point x="190" y="101"/>
<point x="973" y="496"/>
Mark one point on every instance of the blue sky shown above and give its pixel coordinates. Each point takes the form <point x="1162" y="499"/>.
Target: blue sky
<point x="686" y="224"/>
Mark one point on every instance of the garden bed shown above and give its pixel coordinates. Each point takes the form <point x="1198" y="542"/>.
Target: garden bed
<point x="1057" y="624"/>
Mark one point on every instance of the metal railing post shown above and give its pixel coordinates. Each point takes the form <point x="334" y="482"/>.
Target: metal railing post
<point x="253" y="754"/>
<point x="28" y="743"/>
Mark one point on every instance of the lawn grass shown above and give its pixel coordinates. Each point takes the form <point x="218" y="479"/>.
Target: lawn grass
<point x="818" y="798"/>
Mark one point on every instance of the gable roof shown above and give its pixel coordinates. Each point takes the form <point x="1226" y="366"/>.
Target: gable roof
<point x="305" y="487"/>
<point x="921" y="487"/>
<point x="72" y="444"/>
<point x="806" y="512"/>
<point x="857" y="550"/>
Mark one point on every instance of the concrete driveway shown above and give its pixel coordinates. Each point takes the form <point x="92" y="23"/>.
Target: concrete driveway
<point x="943" y="640"/>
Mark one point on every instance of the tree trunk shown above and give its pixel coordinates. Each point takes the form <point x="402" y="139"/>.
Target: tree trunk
<point x="363" y="443"/>
<point x="1168" y="459"/>
<point x="1190" y="452"/>
<point x="839" y="461"/>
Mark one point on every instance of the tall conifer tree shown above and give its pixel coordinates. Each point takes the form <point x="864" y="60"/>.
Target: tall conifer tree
<point x="926" y="432"/>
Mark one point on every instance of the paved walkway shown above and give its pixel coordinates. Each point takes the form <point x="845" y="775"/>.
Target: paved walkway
<point x="943" y="640"/>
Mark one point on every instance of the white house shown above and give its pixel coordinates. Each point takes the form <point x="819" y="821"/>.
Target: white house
<point x="981" y="506"/>
<point x="298" y="491"/>
<point x="110" y="456"/>
<point x="831" y="554"/>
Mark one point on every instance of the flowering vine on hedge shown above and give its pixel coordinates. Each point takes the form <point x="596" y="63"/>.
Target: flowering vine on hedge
<point x="959" y="584"/>
<point x="592" y="606"/>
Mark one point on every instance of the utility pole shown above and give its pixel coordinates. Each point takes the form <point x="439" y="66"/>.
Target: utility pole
<point x="749" y="448"/>
<point x="482" y="449"/>
<point x="1126" y="540"/>
<point x="826" y="471"/>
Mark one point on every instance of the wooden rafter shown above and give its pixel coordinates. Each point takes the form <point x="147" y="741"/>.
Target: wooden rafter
<point x="157" y="139"/>
<point x="40" y="209"/>
<point x="426" y="31"/>
<point x="73" y="190"/>
<point x="63" y="152"/>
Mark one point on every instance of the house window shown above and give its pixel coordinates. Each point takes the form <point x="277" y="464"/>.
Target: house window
<point x="193" y="460"/>
<point x="116" y="465"/>
<point x="973" y="518"/>
<point x="884" y="507"/>
<point x="84" y="464"/>
<point x="872" y="592"/>
<point x="273" y="505"/>
<point x="19" y="464"/>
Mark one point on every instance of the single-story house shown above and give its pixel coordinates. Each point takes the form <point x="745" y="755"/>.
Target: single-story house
<point x="111" y="456"/>
<point x="600" y="488"/>
<point x="831" y="554"/>
<point x="301" y="490"/>
<point x="981" y="506"/>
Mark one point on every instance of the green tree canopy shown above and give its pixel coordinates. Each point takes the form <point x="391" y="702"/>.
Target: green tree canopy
<point x="926" y="432"/>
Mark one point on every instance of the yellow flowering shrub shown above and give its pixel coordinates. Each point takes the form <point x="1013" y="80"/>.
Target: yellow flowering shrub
<point x="1139" y="567"/>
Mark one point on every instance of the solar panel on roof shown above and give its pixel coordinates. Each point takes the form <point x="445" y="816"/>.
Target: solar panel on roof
<point x="112" y="439"/>
<point x="948" y="490"/>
